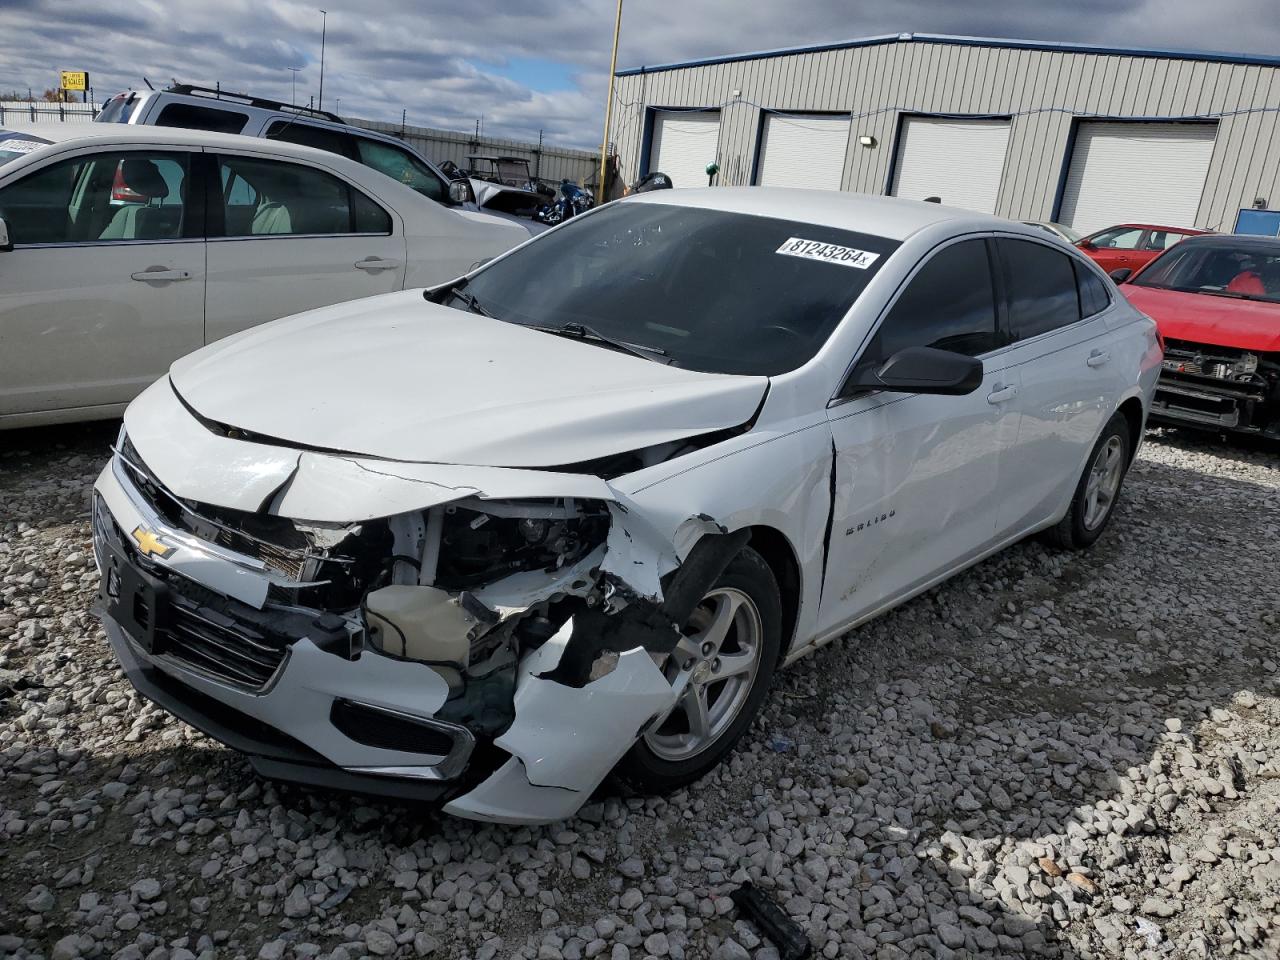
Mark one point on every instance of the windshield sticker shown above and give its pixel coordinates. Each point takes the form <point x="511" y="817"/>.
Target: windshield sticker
<point x="827" y="253"/>
<point x="20" y="146"/>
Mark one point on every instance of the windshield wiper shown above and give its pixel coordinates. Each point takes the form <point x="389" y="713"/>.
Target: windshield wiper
<point x="470" y="302"/>
<point x="583" y="332"/>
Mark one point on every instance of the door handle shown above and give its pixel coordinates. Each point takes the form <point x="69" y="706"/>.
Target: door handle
<point x="1098" y="358"/>
<point x="160" y="274"/>
<point x="374" y="264"/>
<point x="1001" y="394"/>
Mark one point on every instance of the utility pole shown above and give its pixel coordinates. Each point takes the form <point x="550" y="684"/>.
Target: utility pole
<point x="608" y="105"/>
<point x="324" y="20"/>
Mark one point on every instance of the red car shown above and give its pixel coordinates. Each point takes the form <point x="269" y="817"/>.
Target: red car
<point x="1216" y="302"/>
<point x="1132" y="245"/>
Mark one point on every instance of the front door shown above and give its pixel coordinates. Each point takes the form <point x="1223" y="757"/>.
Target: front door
<point x="288" y="237"/>
<point x="105" y="285"/>
<point x="916" y="475"/>
<point x="1118" y="247"/>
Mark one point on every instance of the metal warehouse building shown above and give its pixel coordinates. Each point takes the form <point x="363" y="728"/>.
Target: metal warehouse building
<point x="1087" y="136"/>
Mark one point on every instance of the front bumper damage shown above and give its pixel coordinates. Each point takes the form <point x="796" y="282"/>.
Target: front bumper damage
<point x="567" y="678"/>
<point x="1218" y="388"/>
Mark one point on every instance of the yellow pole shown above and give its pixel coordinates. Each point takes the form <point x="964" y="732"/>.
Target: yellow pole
<point x="608" y="105"/>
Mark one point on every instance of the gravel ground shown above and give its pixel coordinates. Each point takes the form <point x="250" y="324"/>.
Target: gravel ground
<point x="1051" y="755"/>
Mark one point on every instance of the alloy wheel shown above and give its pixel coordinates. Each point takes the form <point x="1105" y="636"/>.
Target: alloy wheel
<point x="1103" y="485"/>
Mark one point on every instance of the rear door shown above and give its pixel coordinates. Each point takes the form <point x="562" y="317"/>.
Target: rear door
<point x="105" y="285"/>
<point x="287" y="236"/>
<point x="1055" y="314"/>
<point x="916" y="475"/>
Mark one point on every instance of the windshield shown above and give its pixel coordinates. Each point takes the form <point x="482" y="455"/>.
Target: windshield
<point x="1218" y="268"/>
<point x="713" y="291"/>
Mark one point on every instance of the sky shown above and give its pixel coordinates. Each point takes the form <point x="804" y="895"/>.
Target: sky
<point x="518" y="67"/>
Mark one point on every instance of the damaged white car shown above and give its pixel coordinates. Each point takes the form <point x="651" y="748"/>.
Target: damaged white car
<point x="486" y="543"/>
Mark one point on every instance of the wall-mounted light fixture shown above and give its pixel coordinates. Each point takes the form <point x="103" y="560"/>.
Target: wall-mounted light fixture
<point x="736" y="93"/>
<point x="867" y="141"/>
<point x="1260" y="203"/>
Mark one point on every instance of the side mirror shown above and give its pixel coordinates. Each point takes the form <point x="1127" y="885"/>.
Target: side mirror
<point x="1120" y="274"/>
<point x="920" y="370"/>
<point x="1085" y="245"/>
<point x="459" y="191"/>
<point x="5" y="243"/>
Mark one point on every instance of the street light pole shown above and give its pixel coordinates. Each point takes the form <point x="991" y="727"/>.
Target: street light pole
<point x="293" y="96"/>
<point x="324" y="20"/>
<point x="608" y="105"/>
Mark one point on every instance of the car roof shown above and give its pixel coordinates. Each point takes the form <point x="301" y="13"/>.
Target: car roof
<point x="1151" y="226"/>
<point x="895" y="218"/>
<point x="1233" y="239"/>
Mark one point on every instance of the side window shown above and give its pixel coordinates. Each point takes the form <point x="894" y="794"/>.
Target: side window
<point x="1119" y="238"/>
<point x="193" y="117"/>
<point x="1163" y="239"/>
<point x="1094" y="297"/>
<point x="125" y="195"/>
<point x="1040" y="288"/>
<point x="304" y="134"/>
<point x="401" y="165"/>
<point x="948" y="304"/>
<point x="271" y="198"/>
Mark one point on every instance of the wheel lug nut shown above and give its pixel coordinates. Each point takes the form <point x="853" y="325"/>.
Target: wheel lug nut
<point x="706" y="649"/>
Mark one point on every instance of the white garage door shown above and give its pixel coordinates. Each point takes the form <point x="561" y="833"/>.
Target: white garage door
<point x="683" y="145"/>
<point x="1136" y="173"/>
<point x="803" y="152"/>
<point x="960" y="161"/>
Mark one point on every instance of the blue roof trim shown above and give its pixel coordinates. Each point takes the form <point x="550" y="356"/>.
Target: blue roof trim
<point x="1050" y="45"/>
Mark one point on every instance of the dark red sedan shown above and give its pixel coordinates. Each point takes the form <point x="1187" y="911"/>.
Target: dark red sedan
<point x="1216" y="302"/>
<point x="1132" y="245"/>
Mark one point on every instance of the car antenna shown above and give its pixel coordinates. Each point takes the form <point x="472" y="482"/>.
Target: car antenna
<point x="148" y="83"/>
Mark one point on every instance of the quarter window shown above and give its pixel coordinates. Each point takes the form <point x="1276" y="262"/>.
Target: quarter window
<point x="1094" y="297"/>
<point x="105" y="197"/>
<point x="403" y="166"/>
<point x="949" y="304"/>
<point x="192" y="117"/>
<point x="270" y="198"/>
<point x="1040" y="288"/>
<point x="304" y="134"/>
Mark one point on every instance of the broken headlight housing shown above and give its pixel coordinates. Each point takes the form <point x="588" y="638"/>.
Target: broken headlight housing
<point x="482" y="541"/>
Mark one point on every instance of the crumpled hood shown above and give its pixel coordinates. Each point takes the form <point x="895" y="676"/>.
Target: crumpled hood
<point x="1201" y="318"/>
<point x="401" y="378"/>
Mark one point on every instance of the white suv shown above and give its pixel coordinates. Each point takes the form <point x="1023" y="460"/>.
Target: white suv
<point x="218" y="111"/>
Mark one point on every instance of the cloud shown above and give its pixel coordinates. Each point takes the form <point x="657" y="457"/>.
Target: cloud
<point x="449" y="64"/>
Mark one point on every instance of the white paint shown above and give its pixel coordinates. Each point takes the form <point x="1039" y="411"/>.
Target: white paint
<point x="1136" y="173"/>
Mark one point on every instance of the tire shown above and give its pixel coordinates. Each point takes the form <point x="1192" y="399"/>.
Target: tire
<point x="1083" y="524"/>
<point x="668" y="755"/>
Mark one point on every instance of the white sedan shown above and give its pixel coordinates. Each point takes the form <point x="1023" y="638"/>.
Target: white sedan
<point x="128" y="247"/>
<point x="488" y="542"/>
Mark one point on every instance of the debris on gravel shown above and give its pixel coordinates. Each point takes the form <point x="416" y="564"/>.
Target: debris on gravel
<point x="1052" y="754"/>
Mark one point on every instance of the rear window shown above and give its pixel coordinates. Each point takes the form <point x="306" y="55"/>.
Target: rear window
<point x="192" y="117"/>
<point x="119" y="109"/>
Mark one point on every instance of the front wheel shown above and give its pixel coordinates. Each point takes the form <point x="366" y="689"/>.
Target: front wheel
<point x="721" y="671"/>
<point x="1098" y="491"/>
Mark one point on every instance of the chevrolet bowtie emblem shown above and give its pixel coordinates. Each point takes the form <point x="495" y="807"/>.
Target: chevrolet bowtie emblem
<point x="150" y="544"/>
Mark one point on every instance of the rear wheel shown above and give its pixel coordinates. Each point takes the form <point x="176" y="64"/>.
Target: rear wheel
<point x="1098" y="490"/>
<point x="721" y="671"/>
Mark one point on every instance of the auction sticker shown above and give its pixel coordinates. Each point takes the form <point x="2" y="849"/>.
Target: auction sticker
<point x="20" y="146"/>
<point x="827" y="253"/>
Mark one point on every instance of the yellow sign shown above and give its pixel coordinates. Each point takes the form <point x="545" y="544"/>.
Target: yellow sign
<point x="74" y="80"/>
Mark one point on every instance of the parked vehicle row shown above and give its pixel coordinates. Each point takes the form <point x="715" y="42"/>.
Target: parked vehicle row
<point x="567" y="514"/>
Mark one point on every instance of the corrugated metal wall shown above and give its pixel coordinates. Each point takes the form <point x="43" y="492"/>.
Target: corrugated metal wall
<point x="440" y="145"/>
<point x="878" y="82"/>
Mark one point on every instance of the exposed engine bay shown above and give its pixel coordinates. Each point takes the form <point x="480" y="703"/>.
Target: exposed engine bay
<point x="1219" y="387"/>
